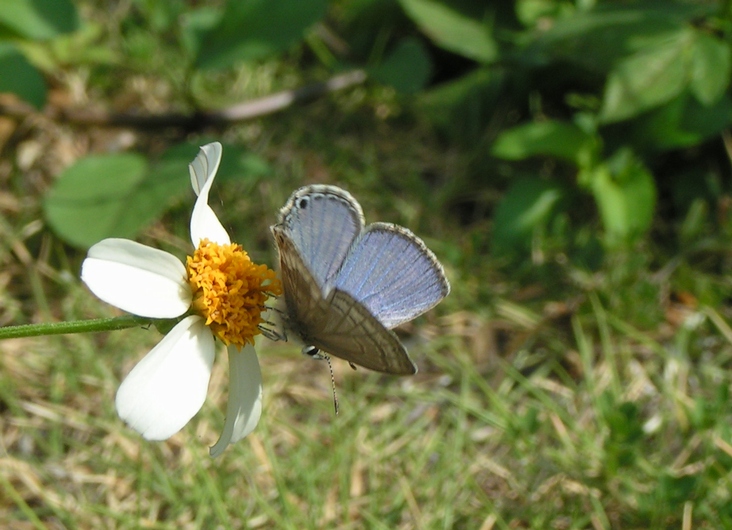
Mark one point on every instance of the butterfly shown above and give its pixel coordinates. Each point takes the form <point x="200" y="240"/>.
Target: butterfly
<point x="346" y="285"/>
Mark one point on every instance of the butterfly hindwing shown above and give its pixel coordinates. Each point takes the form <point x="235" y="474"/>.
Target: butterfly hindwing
<point x="352" y="333"/>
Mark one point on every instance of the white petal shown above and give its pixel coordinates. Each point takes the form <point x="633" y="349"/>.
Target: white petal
<point x="204" y="223"/>
<point x="139" y="279"/>
<point x="245" y="397"/>
<point x="169" y="385"/>
<point x="204" y="167"/>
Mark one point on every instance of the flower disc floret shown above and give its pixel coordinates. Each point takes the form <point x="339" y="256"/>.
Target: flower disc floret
<point x="230" y="291"/>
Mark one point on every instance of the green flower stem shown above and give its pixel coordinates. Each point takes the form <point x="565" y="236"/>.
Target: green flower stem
<point x="75" y="326"/>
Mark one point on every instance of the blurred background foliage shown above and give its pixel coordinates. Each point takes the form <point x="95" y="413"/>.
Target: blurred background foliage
<point x="561" y="157"/>
<point x="583" y="114"/>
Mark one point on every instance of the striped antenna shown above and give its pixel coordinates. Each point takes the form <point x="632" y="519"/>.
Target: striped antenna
<point x="332" y="382"/>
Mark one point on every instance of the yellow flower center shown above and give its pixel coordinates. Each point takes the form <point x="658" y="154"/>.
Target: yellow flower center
<point x="229" y="291"/>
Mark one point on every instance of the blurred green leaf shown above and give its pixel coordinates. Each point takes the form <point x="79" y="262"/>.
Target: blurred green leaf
<point x="625" y="194"/>
<point x="253" y="29"/>
<point x="19" y="77"/>
<point x="407" y="68"/>
<point x="194" y="24"/>
<point x="683" y="122"/>
<point x="449" y="25"/>
<point x="38" y="19"/>
<point x="597" y="38"/>
<point x="166" y="180"/>
<point x="550" y="138"/>
<point x="118" y="195"/>
<point x="710" y="68"/>
<point x="647" y="79"/>
<point x="707" y="120"/>
<point x="526" y="206"/>
<point x="91" y="200"/>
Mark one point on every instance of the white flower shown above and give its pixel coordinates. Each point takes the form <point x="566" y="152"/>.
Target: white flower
<point x="219" y="293"/>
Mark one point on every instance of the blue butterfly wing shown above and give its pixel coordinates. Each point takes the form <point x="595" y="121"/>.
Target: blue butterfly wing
<point x="322" y="222"/>
<point x="336" y="324"/>
<point x="393" y="274"/>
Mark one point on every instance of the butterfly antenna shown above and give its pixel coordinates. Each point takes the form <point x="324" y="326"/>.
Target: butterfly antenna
<point x="332" y="383"/>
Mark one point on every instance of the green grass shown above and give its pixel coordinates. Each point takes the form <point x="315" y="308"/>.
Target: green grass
<point x="528" y="411"/>
<point x="513" y="421"/>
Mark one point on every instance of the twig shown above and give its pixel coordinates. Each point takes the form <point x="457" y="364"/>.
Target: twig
<point x="237" y="113"/>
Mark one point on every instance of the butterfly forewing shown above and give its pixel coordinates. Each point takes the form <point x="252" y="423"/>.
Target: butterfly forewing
<point x="392" y="273"/>
<point x="322" y="222"/>
<point x="301" y="291"/>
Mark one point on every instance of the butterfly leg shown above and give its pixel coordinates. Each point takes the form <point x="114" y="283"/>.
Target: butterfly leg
<point x="272" y="330"/>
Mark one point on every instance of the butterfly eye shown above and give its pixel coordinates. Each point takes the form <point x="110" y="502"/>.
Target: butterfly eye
<point x="311" y="351"/>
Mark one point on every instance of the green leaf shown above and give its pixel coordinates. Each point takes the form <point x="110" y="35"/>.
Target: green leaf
<point x="527" y="206"/>
<point x="407" y="68"/>
<point x="253" y="29"/>
<point x="38" y="19"/>
<point x="451" y="28"/>
<point x="91" y="200"/>
<point x="162" y="185"/>
<point x="647" y="79"/>
<point x="550" y="138"/>
<point x="625" y="194"/>
<point x="705" y="121"/>
<point x="601" y="36"/>
<point x="118" y="195"/>
<point x="19" y="77"/>
<point x="710" y="68"/>
<point x="683" y="122"/>
<point x="194" y="25"/>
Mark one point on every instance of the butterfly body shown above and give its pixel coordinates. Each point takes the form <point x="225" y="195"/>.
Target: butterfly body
<point x="346" y="285"/>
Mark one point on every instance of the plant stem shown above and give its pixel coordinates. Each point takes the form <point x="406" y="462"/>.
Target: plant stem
<point x="196" y="121"/>
<point x="74" y="326"/>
